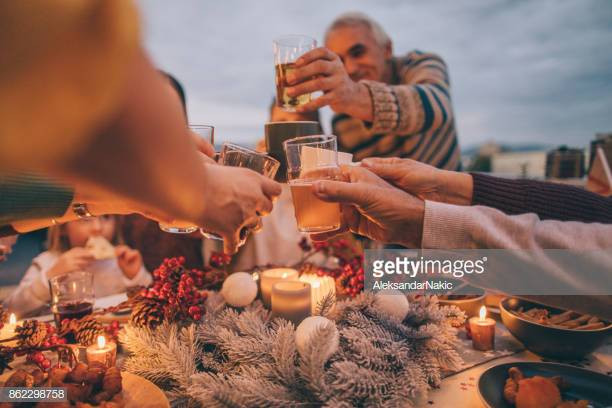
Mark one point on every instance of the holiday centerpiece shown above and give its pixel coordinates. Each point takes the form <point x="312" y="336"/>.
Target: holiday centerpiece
<point x="386" y="349"/>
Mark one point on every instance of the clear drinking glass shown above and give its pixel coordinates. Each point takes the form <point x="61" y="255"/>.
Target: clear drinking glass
<point x="287" y="49"/>
<point x="207" y="133"/>
<point x="72" y="296"/>
<point x="312" y="158"/>
<point x="238" y="156"/>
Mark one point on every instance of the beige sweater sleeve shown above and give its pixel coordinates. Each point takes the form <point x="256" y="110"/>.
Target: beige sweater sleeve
<point x="454" y="227"/>
<point x="448" y="226"/>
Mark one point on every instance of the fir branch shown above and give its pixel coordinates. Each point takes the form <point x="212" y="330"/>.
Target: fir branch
<point x="325" y="305"/>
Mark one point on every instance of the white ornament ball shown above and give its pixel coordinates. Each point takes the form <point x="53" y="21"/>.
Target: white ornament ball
<point x="307" y="328"/>
<point x="393" y="303"/>
<point x="239" y="289"/>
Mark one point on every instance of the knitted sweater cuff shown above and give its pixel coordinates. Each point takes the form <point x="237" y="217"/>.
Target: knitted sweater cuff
<point x="446" y="226"/>
<point x="385" y="105"/>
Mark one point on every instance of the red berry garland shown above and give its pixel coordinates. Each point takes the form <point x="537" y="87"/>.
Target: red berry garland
<point x="178" y="290"/>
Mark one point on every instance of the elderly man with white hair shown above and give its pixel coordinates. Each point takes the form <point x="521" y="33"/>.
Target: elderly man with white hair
<point x="384" y="105"/>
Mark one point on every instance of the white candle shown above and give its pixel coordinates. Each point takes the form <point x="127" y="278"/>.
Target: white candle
<point x="103" y="352"/>
<point x="320" y="287"/>
<point x="291" y="300"/>
<point x="269" y="277"/>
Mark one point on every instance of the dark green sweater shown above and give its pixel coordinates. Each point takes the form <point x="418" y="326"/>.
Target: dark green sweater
<point x="26" y="196"/>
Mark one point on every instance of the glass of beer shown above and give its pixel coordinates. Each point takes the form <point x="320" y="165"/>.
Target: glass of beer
<point x="287" y="49"/>
<point x="238" y="156"/>
<point x="312" y="158"/>
<point x="207" y="133"/>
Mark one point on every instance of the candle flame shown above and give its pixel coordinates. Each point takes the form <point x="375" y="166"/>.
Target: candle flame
<point x="315" y="284"/>
<point x="255" y="276"/>
<point x="483" y="312"/>
<point x="101" y="342"/>
<point x="12" y="319"/>
<point x="284" y="275"/>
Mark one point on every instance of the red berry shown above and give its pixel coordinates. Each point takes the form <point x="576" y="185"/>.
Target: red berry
<point x="115" y="324"/>
<point x="46" y="344"/>
<point x="197" y="316"/>
<point x="46" y="364"/>
<point x="194" y="310"/>
<point x="38" y="358"/>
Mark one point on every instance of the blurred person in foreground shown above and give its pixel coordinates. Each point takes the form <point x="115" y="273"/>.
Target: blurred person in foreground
<point x="96" y="113"/>
<point x="385" y="105"/>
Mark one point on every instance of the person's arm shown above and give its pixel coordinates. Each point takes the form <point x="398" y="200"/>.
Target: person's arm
<point x="33" y="291"/>
<point x="547" y="200"/>
<point x="447" y="226"/>
<point x="30" y="195"/>
<point x="421" y="103"/>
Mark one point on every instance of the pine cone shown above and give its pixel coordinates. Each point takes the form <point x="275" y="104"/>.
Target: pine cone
<point x="86" y="330"/>
<point x="31" y="333"/>
<point x="4" y="316"/>
<point x="147" y="313"/>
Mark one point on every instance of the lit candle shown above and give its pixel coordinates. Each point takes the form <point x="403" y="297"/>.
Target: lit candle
<point x="320" y="287"/>
<point x="291" y="300"/>
<point x="102" y="352"/>
<point x="269" y="277"/>
<point x="8" y="331"/>
<point x="483" y="331"/>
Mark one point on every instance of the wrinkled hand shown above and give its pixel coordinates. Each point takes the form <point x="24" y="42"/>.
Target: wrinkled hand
<point x="129" y="260"/>
<point x="322" y="70"/>
<point x="235" y="198"/>
<point x="422" y="180"/>
<point x="373" y="208"/>
<point x="73" y="260"/>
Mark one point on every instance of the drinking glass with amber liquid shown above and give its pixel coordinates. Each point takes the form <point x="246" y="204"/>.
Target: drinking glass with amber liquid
<point x="287" y="50"/>
<point x="312" y="158"/>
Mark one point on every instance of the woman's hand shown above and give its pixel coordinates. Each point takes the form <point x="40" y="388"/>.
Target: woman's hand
<point x="75" y="259"/>
<point x="129" y="261"/>
<point x="422" y="180"/>
<point x="373" y="208"/>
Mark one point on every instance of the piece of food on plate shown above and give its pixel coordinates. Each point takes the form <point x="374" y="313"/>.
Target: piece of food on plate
<point x="100" y="247"/>
<point x="537" y="392"/>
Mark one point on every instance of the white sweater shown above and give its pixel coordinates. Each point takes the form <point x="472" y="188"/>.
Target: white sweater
<point x="450" y="227"/>
<point x="33" y="293"/>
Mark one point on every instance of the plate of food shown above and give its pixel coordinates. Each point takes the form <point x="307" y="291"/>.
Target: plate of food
<point x="553" y="332"/>
<point x="543" y="385"/>
<point x="91" y="385"/>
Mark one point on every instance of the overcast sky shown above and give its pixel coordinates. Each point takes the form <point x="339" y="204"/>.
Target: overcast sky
<point x="521" y="71"/>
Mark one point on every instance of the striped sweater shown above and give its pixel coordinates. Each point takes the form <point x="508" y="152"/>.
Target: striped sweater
<point x="413" y="116"/>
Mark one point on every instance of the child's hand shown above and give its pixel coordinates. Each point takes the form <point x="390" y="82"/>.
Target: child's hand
<point x="129" y="260"/>
<point x="75" y="259"/>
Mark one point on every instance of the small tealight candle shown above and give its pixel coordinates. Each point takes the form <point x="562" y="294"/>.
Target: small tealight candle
<point x="482" y="329"/>
<point x="269" y="277"/>
<point x="291" y="300"/>
<point x="103" y="352"/>
<point x="320" y="287"/>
